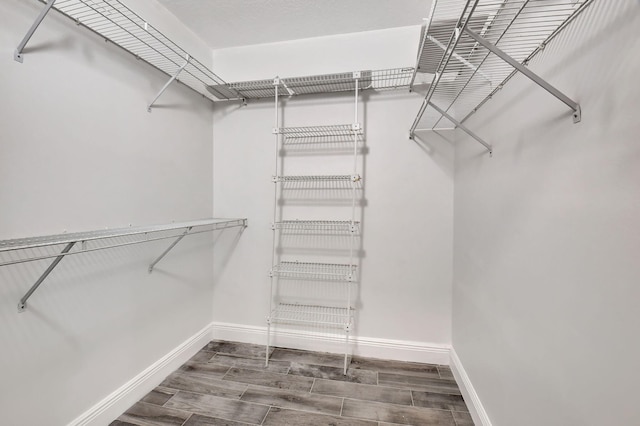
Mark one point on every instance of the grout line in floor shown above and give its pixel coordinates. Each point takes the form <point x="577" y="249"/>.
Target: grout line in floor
<point x="265" y="416"/>
<point x="187" y="419"/>
<point x="341" y="407"/>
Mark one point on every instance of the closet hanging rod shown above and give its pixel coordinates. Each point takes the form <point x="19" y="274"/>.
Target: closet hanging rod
<point x="72" y="239"/>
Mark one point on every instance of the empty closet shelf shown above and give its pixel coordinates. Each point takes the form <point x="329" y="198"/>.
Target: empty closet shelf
<point x="329" y="226"/>
<point x="318" y="178"/>
<point x="144" y="233"/>
<point x="385" y="79"/>
<point x="121" y="26"/>
<point x="320" y="131"/>
<point x="466" y="73"/>
<point x="315" y="271"/>
<point x="312" y="315"/>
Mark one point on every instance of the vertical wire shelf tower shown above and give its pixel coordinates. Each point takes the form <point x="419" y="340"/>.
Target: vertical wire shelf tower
<point x="315" y="314"/>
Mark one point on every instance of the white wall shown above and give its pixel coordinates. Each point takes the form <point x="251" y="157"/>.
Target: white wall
<point x="547" y="237"/>
<point x="78" y="151"/>
<point x="406" y="264"/>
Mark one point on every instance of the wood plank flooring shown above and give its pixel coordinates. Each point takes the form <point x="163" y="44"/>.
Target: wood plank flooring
<point x="227" y="384"/>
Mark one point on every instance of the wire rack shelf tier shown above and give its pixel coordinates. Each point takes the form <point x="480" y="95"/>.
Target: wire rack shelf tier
<point x="386" y="79"/>
<point x="333" y="131"/>
<point x="328" y="316"/>
<point x="340" y="226"/>
<point x="465" y="45"/>
<point x="315" y="271"/>
<point x="318" y="178"/>
<point x="118" y="24"/>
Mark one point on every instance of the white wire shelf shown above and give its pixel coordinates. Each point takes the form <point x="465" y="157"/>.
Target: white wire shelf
<point x="158" y="232"/>
<point x="315" y="271"/>
<point x="311" y="132"/>
<point x="118" y="24"/>
<point x="49" y="240"/>
<point x="386" y="79"/>
<point x="286" y="313"/>
<point x="318" y="178"/>
<point x="467" y="71"/>
<point x="328" y="226"/>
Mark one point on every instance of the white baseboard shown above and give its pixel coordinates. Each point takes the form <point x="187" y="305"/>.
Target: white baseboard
<point x="476" y="409"/>
<point x="131" y="392"/>
<point x="402" y="350"/>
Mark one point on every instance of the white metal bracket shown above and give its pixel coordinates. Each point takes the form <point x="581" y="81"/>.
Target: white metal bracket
<point x="462" y="127"/>
<point x="22" y="305"/>
<point x="355" y="178"/>
<point x="184" y="234"/>
<point x="171" y="80"/>
<point x="17" y="55"/>
<point x="577" y="114"/>
<point x="357" y="74"/>
<point x="356" y="127"/>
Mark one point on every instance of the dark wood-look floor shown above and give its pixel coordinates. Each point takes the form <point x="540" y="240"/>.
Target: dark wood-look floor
<point x="227" y="384"/>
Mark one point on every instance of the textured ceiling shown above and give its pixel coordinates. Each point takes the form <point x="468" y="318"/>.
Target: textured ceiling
<point x="228" y="23"/>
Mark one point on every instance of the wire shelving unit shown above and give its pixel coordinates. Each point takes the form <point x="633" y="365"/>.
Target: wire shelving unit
<point x="281" y="311"/>
<point x="78" y="243"/>
<point x="474" y="47"/>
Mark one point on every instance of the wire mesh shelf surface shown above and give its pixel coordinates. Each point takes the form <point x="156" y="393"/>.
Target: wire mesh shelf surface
<point x="332" y="226"/>
<point x="319" y="271"/>
<point x="333" y="131"/>
<point x="49" y="240"/>
<point x="288" y="313"/>
<point x="386" y="79"/>
<point x="117" y="23"/>
<point x="466" y="74"/>
<point x="319" y="178"/>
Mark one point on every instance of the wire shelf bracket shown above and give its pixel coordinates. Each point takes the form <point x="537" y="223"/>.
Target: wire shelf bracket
<point x="171" y="80"/>
<point x="71" y="240"/>
<point x="17" y="55"/>
<point x="473" y="48"/>
<point x="577" y="115"/>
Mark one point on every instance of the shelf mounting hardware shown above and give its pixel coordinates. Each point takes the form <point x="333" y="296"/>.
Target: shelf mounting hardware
<point x="22" y="305"/>
<point x="171" y="80"/>
<point x="17" y="55"/>
<point x="462" y="127"/>
<point x="164" y="253"/>
<point x="530" y="74"/>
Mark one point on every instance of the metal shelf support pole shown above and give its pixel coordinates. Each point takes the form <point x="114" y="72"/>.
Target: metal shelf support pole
<point x="164" y="253"/>
<point x="22" y="305"/>
<point x="17" y="55"/>
<point x="276" y="134"/>
<point x="577" y="115"/>
<point x="463" y="127"/>
<point x="171" y="80"/>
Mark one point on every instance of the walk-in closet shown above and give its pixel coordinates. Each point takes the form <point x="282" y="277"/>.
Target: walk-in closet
<point x="305" y="212"/>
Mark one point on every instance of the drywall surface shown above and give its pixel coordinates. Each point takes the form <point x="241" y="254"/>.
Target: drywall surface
<point x="370" y="50"/>
<point x="405" y="253"/>
<point x="547" y="238"/>
<point x="79" y="151"/>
